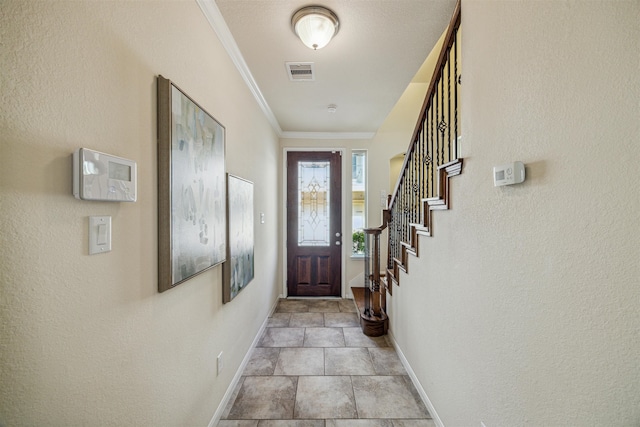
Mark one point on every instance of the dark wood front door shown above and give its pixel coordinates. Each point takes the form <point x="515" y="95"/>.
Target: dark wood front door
<point x="314" y="226"/>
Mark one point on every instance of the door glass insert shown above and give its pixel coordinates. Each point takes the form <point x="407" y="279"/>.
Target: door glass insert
<point x="313" y="204"/>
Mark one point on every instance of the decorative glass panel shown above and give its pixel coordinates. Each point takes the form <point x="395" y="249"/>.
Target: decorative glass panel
<point x="313" y="203"/>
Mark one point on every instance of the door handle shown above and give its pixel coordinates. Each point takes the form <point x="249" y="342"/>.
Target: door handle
<point x="338" y="234"/>
<point x="338" y="243"/>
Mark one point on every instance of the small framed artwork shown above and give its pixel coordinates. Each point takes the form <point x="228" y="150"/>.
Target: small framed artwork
<point x="191" y="188"/>
<point x="237" y="271"/>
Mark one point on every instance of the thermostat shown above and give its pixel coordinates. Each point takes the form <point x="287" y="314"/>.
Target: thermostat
<point x="100" y="176"/>
<point x="512" y="173"/>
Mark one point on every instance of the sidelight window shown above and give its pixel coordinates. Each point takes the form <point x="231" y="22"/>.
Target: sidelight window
<point x="358" y="200"/>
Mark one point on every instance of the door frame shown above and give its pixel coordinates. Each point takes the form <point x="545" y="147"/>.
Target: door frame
<point x="283" y="216"/>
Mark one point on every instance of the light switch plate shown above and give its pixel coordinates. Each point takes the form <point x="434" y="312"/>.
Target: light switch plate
<point x="219" y="364"/>
<point x="99" y="234"/>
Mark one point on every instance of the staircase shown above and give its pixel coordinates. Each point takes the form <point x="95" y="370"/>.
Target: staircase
<point x="422" y="187"/>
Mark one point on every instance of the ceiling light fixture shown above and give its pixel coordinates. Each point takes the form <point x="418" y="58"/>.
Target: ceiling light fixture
<point x="315" y="25"/>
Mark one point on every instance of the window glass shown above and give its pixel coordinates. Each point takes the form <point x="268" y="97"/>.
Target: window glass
<point x="358" y="200"/>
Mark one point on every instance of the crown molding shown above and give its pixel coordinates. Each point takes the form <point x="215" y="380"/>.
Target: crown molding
<point x="213" y="15"/>
<point x="327" y="135"/>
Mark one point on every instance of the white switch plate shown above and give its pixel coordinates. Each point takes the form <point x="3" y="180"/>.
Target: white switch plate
<point x="219" y="364"/>
<point x="383" y="199"/>
<point x="99" y="234"/>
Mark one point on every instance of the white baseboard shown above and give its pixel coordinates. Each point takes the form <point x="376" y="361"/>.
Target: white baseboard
<point x="416" y="382"/>
<point x="236" y="378"/>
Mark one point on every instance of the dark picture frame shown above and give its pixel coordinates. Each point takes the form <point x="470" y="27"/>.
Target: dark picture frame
<point x="191" y="188"/>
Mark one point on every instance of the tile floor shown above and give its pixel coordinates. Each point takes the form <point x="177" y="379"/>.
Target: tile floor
<point x="313" y="367"/>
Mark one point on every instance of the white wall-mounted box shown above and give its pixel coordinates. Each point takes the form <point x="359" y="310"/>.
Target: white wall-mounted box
<point x="100" y="176"/>
<point x="512" y="173"/>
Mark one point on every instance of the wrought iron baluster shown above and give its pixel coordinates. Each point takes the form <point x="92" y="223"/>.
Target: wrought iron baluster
<point x="448" y="106"/>
<point x="405" y="215"/>
<point x="441" y="120"/>
<point x="401" y="211"/>
<point x="455" y="84"/>
<point x="410" y="193"/>
<point x="422" y="178"/>
<point x="433" y="147"/>
<point x="414" y="188"/>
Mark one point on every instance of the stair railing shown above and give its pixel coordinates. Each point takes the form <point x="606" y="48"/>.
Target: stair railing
<point x="431" y="159"/>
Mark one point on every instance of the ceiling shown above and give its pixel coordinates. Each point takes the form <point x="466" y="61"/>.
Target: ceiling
<point x="363" y="71"/>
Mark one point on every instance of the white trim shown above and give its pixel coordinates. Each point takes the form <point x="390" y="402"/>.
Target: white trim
<point x="327" y="135"/>
<point x="213" y="15"/>
<point x="416" y="382"/>
<point x="343" y="258"/>
<point x="236" y="378"/>
<point x="283" y="218"/>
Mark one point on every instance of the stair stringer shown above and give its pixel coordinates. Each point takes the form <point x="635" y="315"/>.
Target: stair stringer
<point x="440" y="202"/>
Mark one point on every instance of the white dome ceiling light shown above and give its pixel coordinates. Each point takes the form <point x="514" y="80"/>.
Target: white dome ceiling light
<point x="315" y="25"/>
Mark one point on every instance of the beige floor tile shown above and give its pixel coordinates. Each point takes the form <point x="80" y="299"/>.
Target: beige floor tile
<point x="282" y="337"/>
<point x="386" y="361"/>
<point x="262" y="362"/>
<point x="354" y="337"/>
<point x="278" y="320"/>
<point x="325" y="397"/>
<point x="313" y="367"/>
<point x="348" y="361"/>
<point x="300" y="361"/>
<point x="347" y="306"/>
<point x="414" y="423"/>
<point x="324" y="306"/>
<point x="359" y="423"/>
<point x="292" y="423"/>
<point x="264" y="398"/>
<point x="340" y="320"/>
<point x="238" y="423"/>
<point x="387" y="397"/>
<point x="292" y="306"/>
<point x="306" y="320"/>
<point x="323" y="337"/>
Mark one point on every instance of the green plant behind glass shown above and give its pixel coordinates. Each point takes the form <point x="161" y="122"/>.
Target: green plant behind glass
<point x="358" y="242"/>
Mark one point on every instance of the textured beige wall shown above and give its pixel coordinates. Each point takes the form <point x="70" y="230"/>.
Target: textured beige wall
<point x="523" y="307"/>
<point x="87" y="340"/>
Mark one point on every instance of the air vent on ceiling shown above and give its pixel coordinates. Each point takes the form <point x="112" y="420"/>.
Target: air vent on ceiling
<point x="300" y="71"/>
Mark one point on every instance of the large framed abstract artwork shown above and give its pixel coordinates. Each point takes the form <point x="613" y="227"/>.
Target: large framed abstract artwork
<point x="191" y="188"/>
<point x="237" y="271"/>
